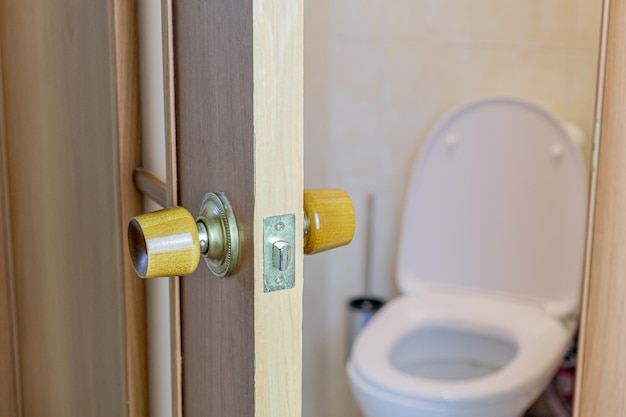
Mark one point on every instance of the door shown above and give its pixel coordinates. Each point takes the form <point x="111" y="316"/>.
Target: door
<point x="75" y="343"/>
<point x="233" y="107"/>
<point x="238" y="71"/>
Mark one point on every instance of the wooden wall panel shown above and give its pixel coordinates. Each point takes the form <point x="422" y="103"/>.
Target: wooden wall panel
<point x="59" y="73"/>
<point x="603" y="374"/>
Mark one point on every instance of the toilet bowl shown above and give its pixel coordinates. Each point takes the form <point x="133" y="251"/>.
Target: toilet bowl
<point x="489" y="266"/>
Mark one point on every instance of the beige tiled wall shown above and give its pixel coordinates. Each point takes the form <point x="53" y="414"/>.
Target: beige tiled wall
<point x="378" y="76"/>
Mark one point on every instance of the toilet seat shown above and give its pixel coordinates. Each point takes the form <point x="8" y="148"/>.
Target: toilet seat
<point x="522" y="324"/>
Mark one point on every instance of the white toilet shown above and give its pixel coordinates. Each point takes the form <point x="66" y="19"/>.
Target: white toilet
<point x="490" y="269"/>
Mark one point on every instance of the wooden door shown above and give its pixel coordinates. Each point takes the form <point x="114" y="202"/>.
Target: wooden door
<point x="238" y="71"/>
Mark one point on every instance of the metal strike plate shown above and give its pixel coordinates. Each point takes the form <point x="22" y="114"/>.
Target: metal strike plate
<point x="279" y="237"/>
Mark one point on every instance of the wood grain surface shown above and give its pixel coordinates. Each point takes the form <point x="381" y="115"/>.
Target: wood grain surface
<point x="164" y="243"/>
<point x="70" y="96"/>
<point x="150" y="186"/>
<point x="603" y="374"/>
<point x="278" y="175"/>
<point x="330" y="217"/>
<point x="239" y="126"/>
<point x="215" y="151"/>
<point x="10" y="396"/>
<point x="128" y="129"/>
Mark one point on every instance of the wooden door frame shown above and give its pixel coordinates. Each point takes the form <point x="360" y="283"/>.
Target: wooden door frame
<point x="10" y="395"/>
<point x="602" y="368"/>
<point x="126" y="55"/>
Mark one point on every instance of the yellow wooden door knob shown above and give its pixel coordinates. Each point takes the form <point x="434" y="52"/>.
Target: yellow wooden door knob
<point x="169" y="242"/>
<point x="164" y="243"/>
<point x="329" y="219"/>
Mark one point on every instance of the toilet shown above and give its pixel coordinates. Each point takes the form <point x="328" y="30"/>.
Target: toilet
<point x="490" y="262"/>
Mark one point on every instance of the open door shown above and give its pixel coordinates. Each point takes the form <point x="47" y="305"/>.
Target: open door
<point x="233" y="96"/>
<point x="238" y="71"/>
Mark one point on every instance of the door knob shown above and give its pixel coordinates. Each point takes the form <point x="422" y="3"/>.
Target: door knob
<point x="329" y="220"/>
<point x="170" y="242"/>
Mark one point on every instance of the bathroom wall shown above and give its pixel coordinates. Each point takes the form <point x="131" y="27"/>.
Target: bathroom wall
<point x="378" y="76"/>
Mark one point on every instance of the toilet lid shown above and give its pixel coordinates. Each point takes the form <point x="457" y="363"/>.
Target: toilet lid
<point x="497" y="204"/>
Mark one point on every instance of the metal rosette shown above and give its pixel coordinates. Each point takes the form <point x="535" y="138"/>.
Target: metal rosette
<point x="219" y="235"/>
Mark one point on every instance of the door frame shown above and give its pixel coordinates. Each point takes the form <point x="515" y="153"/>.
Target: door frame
<point x="601" y="371"/>
<point x="128" y="112"/>
<point x="10" y="394"/>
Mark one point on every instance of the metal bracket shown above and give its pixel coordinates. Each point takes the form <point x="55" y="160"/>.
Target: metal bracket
<point x="279" y="237"/>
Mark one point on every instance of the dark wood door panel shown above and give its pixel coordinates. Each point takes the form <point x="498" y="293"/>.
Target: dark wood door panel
<point x="215" y="136"/>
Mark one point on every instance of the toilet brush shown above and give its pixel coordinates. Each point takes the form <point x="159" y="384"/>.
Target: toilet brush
<point x="362" y="308"/>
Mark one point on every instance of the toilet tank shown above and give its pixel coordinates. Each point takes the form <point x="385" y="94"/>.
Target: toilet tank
<point x="497" y="204"/>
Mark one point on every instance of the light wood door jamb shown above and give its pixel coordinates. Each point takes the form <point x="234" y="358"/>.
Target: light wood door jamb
<point x="602" y="367"/>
